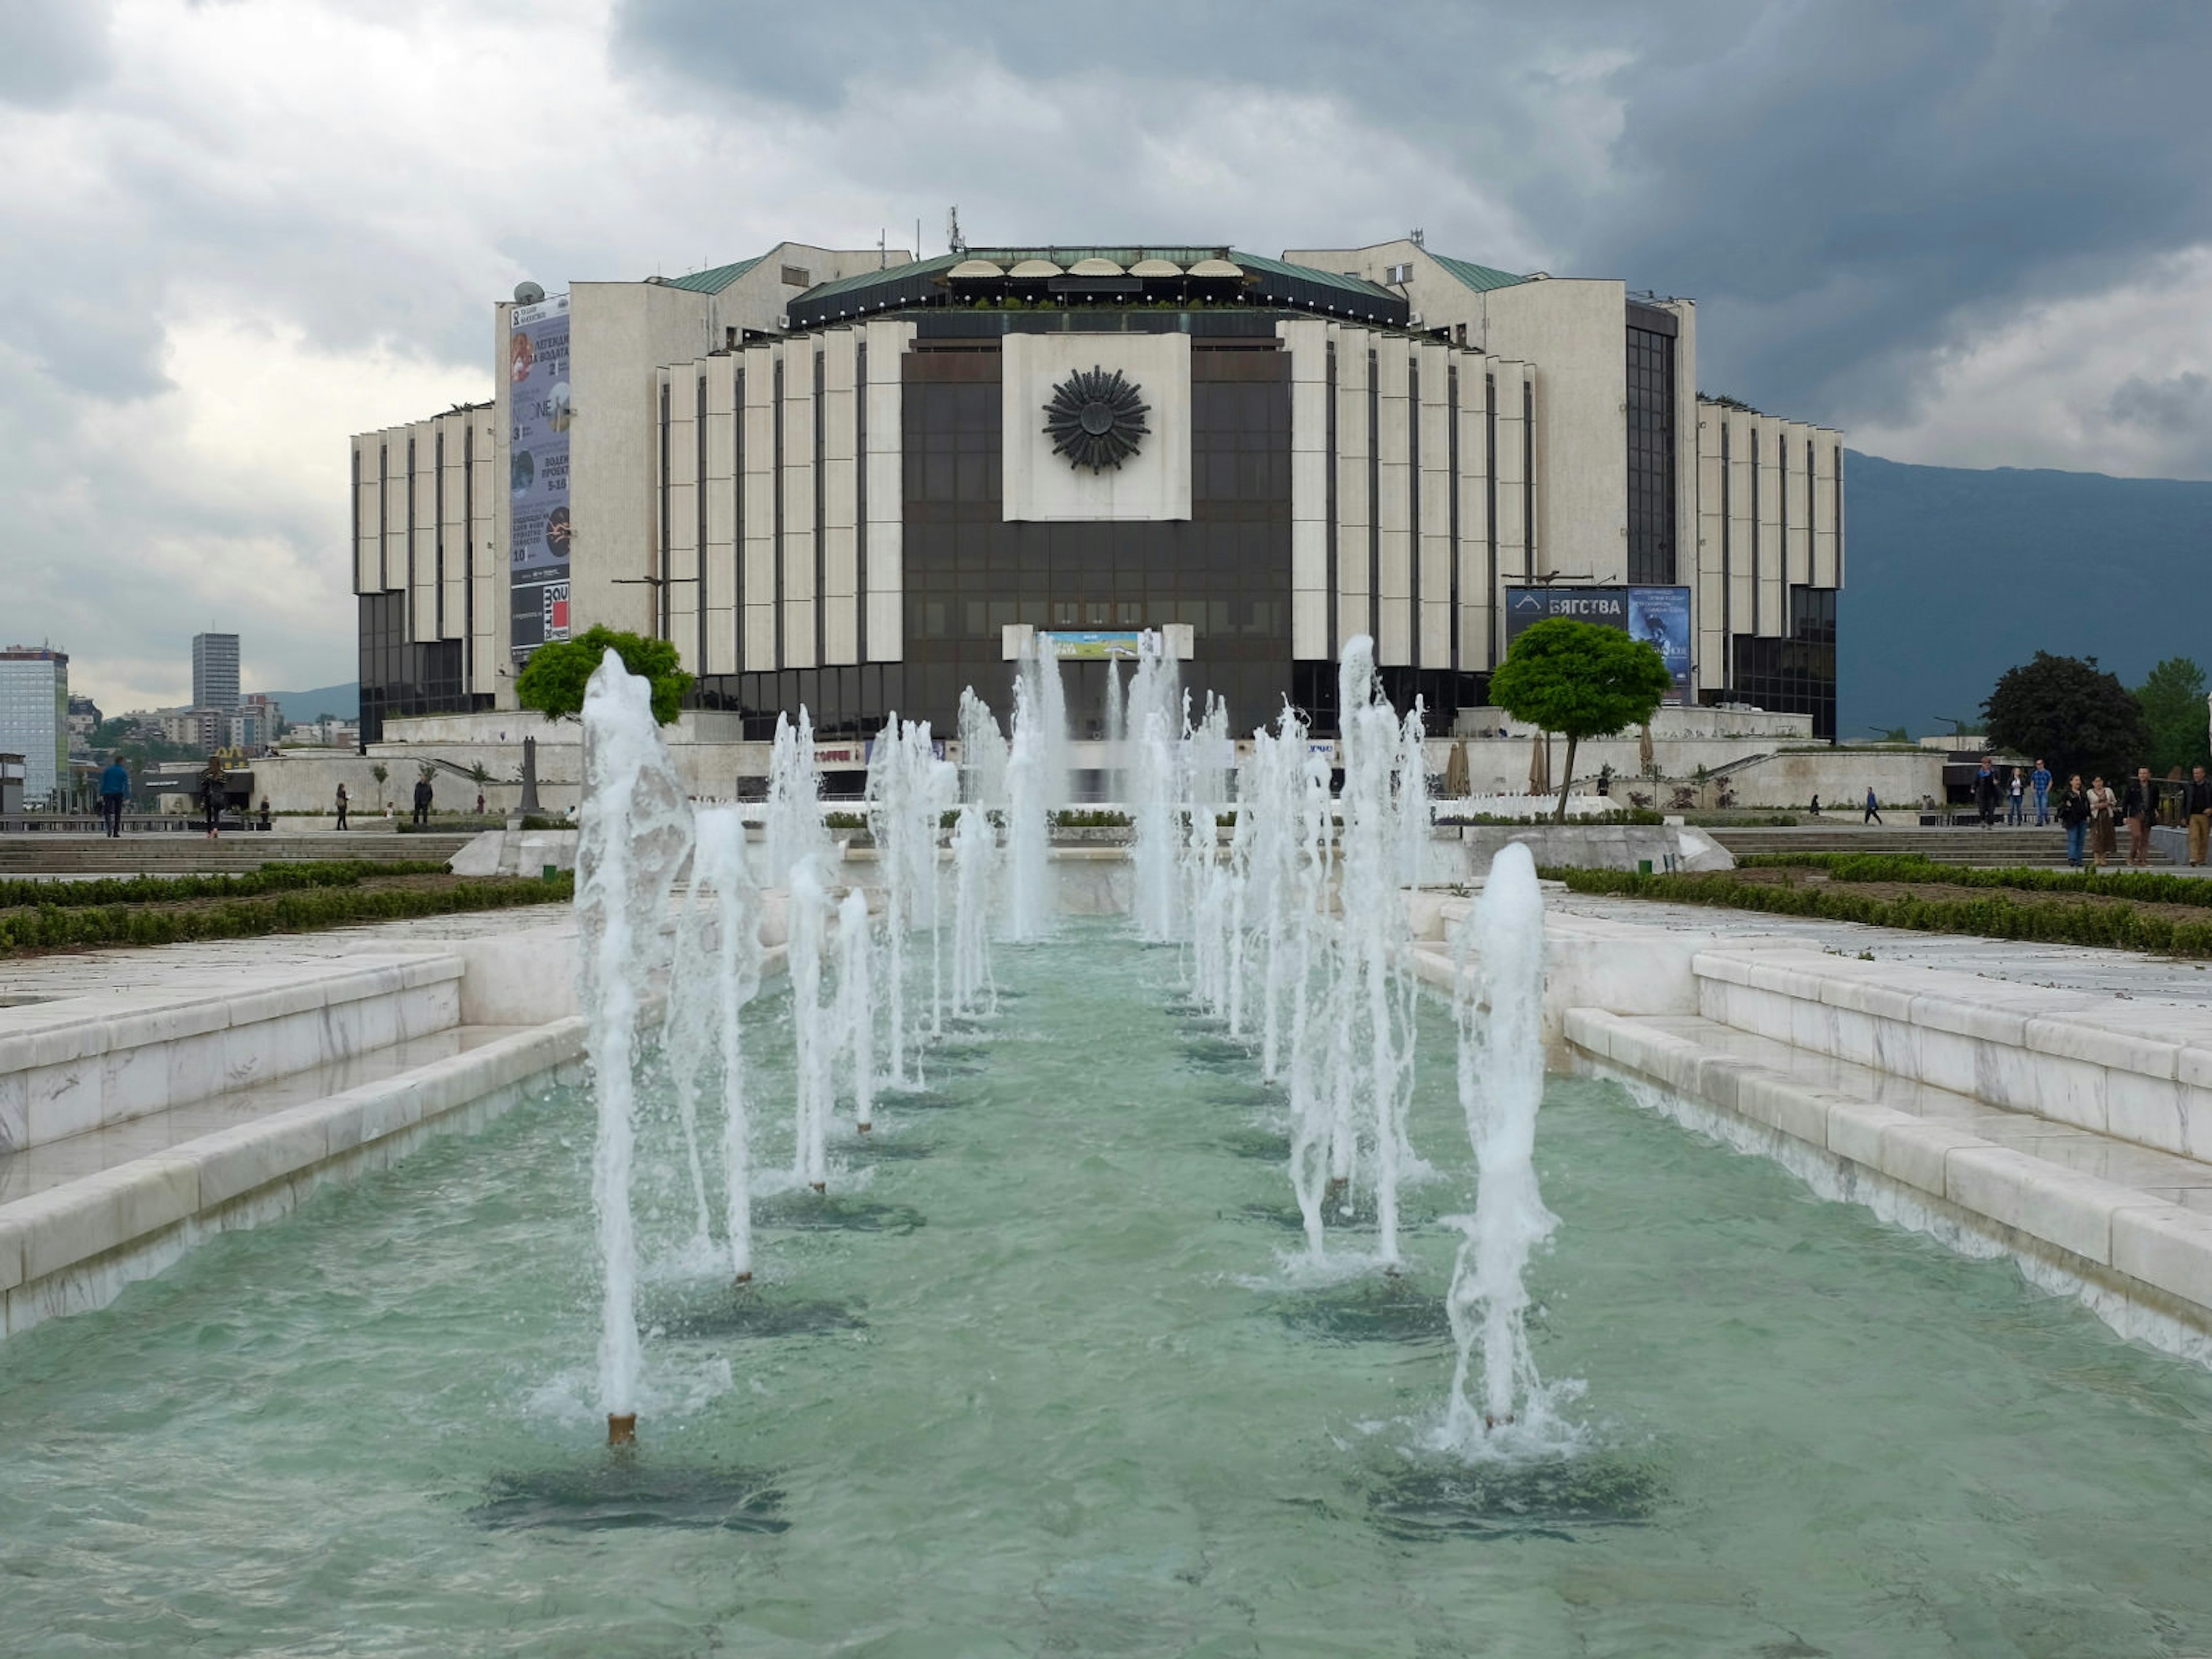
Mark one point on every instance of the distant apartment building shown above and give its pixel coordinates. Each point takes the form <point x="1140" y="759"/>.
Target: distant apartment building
<point x="83" y="722"/>
<point x="34" y="703"/>
<point x="215" y="671"/>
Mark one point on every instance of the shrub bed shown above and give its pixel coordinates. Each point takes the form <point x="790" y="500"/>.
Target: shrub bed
<point x="2117" y="926"/>
<point x="303" y="909"/>
<point x="157" y="889"/>
<point x="2143" y="886"/>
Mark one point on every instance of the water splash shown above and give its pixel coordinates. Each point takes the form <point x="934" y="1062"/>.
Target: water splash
<point x="856" y="1002"/>
<point x="1498" y="1001"/>
<point x="814" y="1049"/>
<point x="1036" y="777"/>
<point x="634" y="830"/>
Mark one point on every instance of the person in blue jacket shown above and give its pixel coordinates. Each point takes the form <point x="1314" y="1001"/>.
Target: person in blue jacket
<point x="2041" y="779"/>
<point x="114" y="790"/>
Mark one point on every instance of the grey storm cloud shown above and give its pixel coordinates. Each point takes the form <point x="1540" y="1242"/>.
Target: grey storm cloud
<point x="50" y="48"/>
<point x="1840" y="180"/>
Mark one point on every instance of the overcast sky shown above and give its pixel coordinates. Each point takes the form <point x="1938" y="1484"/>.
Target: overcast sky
<point x="238" y="230"/>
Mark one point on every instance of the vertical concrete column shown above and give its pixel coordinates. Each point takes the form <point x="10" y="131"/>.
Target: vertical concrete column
<point x="1307" y="341"/>
<point x="1354" y="504"/>
<point x="1743" y="543"/>
<point x="423" y="577"/>
<point x="451" y="447"/>
<point x="1512" y="380"/>
<point x="1705" y="570"/>
<point x="1769" y="483"/>
<point x="757" y="639"/>
<point x="888" y="342"/>
<point x="1689" y="497"/>
<point x="392" y="520"/>
<point x="1823" y="516"/>
<point x="1477" y="600"/>
<point x="841" y="496"/>
<point x="679" y="499"/>
<point x="718" y="589"/>
<point x="367" y="501"/>
<point x="1433" y="503"/>
<point x="488" y="577"/>
<point x="1393" y="500"/>
<point x="1800" y="474"/>
<point x="796" y="421"/>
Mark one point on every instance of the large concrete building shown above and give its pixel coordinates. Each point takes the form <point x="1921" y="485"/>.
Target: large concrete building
<point x="849" y="479"/>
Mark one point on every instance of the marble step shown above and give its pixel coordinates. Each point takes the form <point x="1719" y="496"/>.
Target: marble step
<point x="2106" y="1210"/>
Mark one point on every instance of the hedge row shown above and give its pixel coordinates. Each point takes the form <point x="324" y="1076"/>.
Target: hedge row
<point x="2114" y="926"/>
<point x="157" y="889"/>
<point x="50" y="927"/>
<point x="2144" y="886"/>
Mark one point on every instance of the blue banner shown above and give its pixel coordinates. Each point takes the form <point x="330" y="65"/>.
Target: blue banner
<point x="539" y="541"/>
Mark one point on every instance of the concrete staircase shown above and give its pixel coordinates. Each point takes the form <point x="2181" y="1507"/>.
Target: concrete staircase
<point x="187" y="854"/>
<point x="1998" y="848"/>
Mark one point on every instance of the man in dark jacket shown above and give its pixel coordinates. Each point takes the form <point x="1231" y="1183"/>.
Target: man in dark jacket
<point x="2140" y="808"/>
<point x="2196" y="808"/>
<point x="114" y="790"/>
<point x="423" y="803"/>
<point x="1985" y="792"/>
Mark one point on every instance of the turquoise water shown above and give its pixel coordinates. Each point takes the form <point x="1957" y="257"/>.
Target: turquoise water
<point x="1034" y="1384"/>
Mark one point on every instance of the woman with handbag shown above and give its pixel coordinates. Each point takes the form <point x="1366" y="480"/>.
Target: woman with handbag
<point x="2104" y="807"/>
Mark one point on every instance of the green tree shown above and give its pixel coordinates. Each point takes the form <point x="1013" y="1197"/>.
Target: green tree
<point x="553" y="680"/>
<point x="2069" y="713"/>
<point x="1581" y="681"/>
<point x="382" y="774"/>
<point x="2172" y="701"/>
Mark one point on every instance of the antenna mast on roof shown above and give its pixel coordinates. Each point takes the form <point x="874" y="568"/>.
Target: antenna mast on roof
<point x="882" y="247"/>
<point x="954" y="241"/>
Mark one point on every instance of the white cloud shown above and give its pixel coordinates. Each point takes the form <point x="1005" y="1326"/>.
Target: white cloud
<point x="2099" y="383"/>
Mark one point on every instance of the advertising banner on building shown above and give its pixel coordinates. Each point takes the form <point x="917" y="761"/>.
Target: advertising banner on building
<point x="1660" y="617"/>
<point x="1090" y="647"/>
<point x="537" y="473"/>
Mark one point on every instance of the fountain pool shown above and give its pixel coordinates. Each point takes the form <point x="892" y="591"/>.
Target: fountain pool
<point x="1034" y="1378"/>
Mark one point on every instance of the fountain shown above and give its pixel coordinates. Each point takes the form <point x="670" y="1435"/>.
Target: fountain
<point x="1035" y="779"/>
<point x="1155" y="792"/>
<point x="856" y="1002"/>
<point x="1499" y="1005"/>
<point x="715" y="974"/>
<point x="909" y="791"/>
<point x="814" y="1046"/>
<point x="793" y="825"/>
<point x="633" y="832"/>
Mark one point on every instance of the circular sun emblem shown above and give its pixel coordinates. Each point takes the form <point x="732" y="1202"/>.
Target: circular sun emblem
<point x="1096" y="419"/>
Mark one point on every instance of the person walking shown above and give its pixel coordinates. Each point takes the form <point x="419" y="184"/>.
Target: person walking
<point x="2041" y="779"/>
<point x="1873" y="808"/>
<point x="423" y="795"/>
<point x="479" y="802"/>
<point x="211" y="794"/>
<point x="2103" y="804"/>
<point x="342" y="807"/>
<point x="2073" y="814"/>
<point x="1985" y="792"/>
<point x="2016" y="802"/>
<point x="114" y="790"/>
<point x="2141" y="809"/>
<point x="2196" y="810"/>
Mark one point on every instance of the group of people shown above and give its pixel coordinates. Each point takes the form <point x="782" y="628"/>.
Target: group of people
<point x="1993" y="791"/>
<point x="2092" y="816"/>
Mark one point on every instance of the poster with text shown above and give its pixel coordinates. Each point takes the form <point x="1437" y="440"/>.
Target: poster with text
<point x="539" y="546"/>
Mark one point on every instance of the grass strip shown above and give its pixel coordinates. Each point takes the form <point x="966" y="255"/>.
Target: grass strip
<point x="54" y="927"/>
<point x="2143" y="886"/>
<point x="158" y="890"/>
<point x="2116" y="926"/>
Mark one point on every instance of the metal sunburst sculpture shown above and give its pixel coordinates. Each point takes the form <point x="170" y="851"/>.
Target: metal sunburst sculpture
<point x="1096" y="419"/>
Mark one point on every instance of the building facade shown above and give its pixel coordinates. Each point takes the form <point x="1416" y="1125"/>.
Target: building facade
<point x="215" y="671"/>
<point x="848" y="479"/>
<point x="35" y="718"/>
